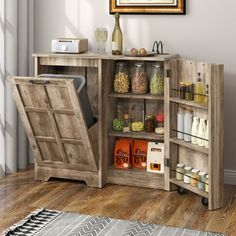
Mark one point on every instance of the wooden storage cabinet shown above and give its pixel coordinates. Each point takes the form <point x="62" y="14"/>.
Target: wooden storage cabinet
<point x="210" y="159"/>
<point x="99" y="71"/>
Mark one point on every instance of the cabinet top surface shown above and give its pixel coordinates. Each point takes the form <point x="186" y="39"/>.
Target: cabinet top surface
<point x="105" y="56"/>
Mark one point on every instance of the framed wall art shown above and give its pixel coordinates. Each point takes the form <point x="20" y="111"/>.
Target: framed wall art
<point x="148" y="6"/>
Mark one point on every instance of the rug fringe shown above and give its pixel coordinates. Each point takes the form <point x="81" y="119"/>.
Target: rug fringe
<point x="24" y="221"/>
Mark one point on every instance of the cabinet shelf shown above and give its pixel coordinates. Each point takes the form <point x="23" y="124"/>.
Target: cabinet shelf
<point x="136" y="96"/>
<point x="138" y="135"/>
<point x="189" y="103"/>
<point x="135" y="177"/>
<point x="189" y="187"/>
<point x="189" y="145"/>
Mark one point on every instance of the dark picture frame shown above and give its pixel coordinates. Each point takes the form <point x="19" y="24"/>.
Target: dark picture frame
<point x="148" y="6"/>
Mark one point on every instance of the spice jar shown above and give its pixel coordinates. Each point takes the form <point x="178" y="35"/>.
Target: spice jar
<point x="202" y="180"/>
<point x="149" y="124"/>
<point x="139" y="79"/>
<point x="187" y="174"/>
<point x="127" y="124"/>
<point x="189" y="94"/>
<point x="182" y="90"/>
<point x="160" y="123"/>
<point x="121" y="81"/>
<point x="207" y="184"/>
<point x="157" y="80"/>
<point x="180" y="172"/>
<point x="194" y="177"/>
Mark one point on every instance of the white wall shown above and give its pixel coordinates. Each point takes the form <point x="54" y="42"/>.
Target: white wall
<point x="206" y="33"/>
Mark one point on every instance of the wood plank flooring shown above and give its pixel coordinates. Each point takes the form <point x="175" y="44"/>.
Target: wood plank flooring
<point x="20" y="194"/>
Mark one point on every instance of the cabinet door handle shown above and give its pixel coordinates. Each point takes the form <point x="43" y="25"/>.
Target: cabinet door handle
<point x="39" y="82"/>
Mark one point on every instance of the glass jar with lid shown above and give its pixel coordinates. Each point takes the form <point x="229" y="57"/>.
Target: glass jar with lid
<point x="139" y="79"/>
<point x="118" y="122"/>
<point x="137" y="112"/>
<point x="149" y="123"/>
<point x="187" y="174"/>
<point x="194" y="177"/>
<point x="180" y="171"/>
<point x="121" y="80"/>
<point x="157" y="80"/>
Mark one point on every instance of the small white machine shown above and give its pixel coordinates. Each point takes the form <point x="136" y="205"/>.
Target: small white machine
<point x="69" y="45"/>
<point x="155" y="157"/>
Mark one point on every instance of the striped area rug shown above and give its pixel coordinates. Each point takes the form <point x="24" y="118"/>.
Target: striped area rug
<point x="45" y="222"/>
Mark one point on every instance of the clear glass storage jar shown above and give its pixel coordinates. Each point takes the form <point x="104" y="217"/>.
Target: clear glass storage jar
<point x="157" y="80"/>
<point x="180" y="172"/>
<point x="121" y="80"/>
<point x="137" y="112"/>
<point x="187" y="174"/>
<point x="118" y="122"/>
<point x="139" y="79"/>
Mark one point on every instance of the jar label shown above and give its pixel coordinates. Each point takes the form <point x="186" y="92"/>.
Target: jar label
<point x="115" y="46"/>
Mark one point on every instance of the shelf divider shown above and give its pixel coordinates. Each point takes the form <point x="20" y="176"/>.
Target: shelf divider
<point x="189" y="145"/>
<point x="189" y="187"/>
<point x="189" y="103"/>
<point x="139" y="135"/>
<point x="136" y="96"/>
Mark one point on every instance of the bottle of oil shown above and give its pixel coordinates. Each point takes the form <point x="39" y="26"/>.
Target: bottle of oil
<point x="199" y="90"/>
<point x="117" y="37"/>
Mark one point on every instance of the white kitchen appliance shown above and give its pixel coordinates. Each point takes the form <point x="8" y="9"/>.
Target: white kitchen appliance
<point x="69" y="45"/>
<point x="155" y="157"/>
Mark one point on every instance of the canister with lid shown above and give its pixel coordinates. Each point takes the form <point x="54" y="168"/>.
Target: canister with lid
<point x="194" y="177"/>
<point x="180" y="172"/>
<point x="157" y="80"/>
<point x="202" y="180"/>
<point x="121" y="80"/>
<point x="187" y="174"/>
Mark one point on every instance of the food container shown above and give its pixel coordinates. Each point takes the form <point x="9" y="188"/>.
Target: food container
<point x="118" y="122"/>
<point x="157" y="80"/>
<point x="122" y="154"/>
<point x="180" y="172"/>
<point x="187" y="174"/>
<point x="127" y="124"/>
<point x="155" y="157"/>
<point x="149" y="124"/>
<point x="202" y="180"/>
<point x="194" y="177"/>
<point x="182" y="90"/>
<point x="121" y="80"/>
<point x="137" y="112"/>
<point x="139" y="79"/>
<point x="139" y="154"/>
<point x="189" y="94"/>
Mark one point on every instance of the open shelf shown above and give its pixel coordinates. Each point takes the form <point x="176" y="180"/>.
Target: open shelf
<point x="189" y="187"/>
<point x="138" y="135"/>
<point x="135" y="177"/>
<point x="136" y="96"/>
<point x="189" y="145"/>
<point x="189" y="103"/>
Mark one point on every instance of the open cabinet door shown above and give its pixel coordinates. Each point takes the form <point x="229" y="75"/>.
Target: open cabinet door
<point x="51" y="113"/>
<point x="177" y="150"/>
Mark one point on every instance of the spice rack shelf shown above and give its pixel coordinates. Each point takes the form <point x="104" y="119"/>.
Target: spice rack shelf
<point x="136" y="96"/>
<point x="189" y="145"/>
<point x="137" y="135"/>
<point x="135" y="177"/>
<point x="189" y="187"/>
<point x="189" y="103"/>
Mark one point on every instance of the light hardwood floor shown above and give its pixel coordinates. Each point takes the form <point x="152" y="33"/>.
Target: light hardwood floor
<point x="20" y="194"/>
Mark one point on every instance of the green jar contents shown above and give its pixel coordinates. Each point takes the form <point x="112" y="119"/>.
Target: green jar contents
<point x="137" y="118"/>
<point x="194" y="177"/>
<point x="180" y="172"/>
<point x="187" y="174"/>
<point x="207" y="184"/>
<point x="157" y="81"/>
<point x="202" y="180"/>
<point x="118" y="122"/>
